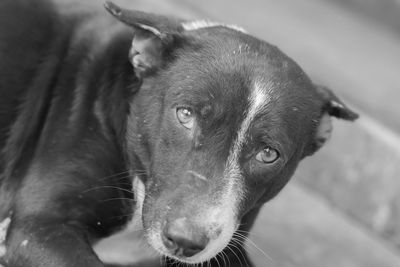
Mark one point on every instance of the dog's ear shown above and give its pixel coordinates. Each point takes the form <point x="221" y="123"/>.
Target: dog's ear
<point x="153" y="35"/>
<point x="332" y="107"/>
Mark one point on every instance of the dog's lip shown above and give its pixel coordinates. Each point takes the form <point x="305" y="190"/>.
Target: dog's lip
<point x="189" y="260"/>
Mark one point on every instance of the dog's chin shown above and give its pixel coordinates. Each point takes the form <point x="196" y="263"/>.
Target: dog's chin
<point x="153" y="236"/>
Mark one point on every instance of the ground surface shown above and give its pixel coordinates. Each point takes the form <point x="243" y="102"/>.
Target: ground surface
<point x="343" y="207"/>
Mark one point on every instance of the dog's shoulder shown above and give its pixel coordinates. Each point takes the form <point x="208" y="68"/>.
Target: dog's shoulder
<point x="41" y="48"/>
<point x="26" y="29"/>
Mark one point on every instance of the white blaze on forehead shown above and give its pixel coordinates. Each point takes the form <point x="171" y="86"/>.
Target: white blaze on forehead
<point x="257" y="100"/>
<point x="201" y="24"/>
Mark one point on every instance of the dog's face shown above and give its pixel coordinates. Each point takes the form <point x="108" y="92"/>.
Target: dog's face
<point x="219" y="125"/>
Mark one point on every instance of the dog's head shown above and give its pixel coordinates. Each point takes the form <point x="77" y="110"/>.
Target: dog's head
<point x="219" y="125"/>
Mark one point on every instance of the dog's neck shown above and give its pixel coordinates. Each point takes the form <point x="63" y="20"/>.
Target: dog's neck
<point x="105" y="79"/>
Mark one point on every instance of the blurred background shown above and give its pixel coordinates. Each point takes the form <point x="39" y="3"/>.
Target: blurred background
<point x="342" y="207"/>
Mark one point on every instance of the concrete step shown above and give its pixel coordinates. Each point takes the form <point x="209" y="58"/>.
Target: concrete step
<point x="385" y="12"/>
<point x="301" y="229"/>
<point x="358" y="171"/>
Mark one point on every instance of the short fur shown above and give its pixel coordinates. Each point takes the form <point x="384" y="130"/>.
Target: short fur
<point x="79" y="119"/>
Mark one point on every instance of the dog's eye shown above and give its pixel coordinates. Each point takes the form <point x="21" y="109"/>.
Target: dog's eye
<point x="267" y="155"/>
<point x="185" y="116"/>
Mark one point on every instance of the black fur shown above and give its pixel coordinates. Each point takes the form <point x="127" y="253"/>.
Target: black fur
<point x="75" y="117"/>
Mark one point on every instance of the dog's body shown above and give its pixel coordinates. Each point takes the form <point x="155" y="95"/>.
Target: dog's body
<point x="208" y="124"/>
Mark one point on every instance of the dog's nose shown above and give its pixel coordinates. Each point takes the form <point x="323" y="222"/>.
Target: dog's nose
<point x="183" y="239"/>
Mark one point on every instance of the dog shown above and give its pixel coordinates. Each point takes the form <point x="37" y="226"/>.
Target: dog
<point x="185" y="127"/>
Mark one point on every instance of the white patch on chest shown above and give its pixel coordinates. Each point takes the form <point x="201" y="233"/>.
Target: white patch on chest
<point x="3" y="234"/>
<point x="129" y="245"/>
<point x="201" y="24"/>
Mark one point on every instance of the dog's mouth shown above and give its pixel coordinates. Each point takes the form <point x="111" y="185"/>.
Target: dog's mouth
<point x="177" y="241"/>
<point x="191" y="237"/>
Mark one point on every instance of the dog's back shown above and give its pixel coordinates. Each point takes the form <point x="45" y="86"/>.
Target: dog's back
<point x="26" y="28"/>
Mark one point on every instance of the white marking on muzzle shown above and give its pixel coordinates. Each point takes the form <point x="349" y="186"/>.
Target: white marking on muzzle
<point x="201" y="24"/>
<point x="140" y="191"/>
<point x="3" y="234"/>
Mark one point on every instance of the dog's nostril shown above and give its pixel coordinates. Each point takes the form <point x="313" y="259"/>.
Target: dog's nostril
<point x="183" y="239"/>
<point x="169" y="243"/>
<point x="188" y="252"/>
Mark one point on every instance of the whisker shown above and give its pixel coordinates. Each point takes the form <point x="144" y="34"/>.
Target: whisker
<point x="240" y="251"/>
<point x="216" y="257"/>
<point x="118" y="198"/>
<point x="243" y="232"/>
<point x="217" y="261"/>
<point x="234" y="253"/>
<point x="226" y="256"/>
<point x="127" y="172"/>
<point x="245" y="238"/>
<point x="118" y="179"/>
<point x="127" y="184"/>
<point x="237" y="241"/>
<point x="113" y="175"/>
<point x="108" y="186"/>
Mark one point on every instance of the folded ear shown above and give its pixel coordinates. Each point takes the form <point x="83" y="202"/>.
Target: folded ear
<point x="332" y="106"/>
<point x="153" y="35"/>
